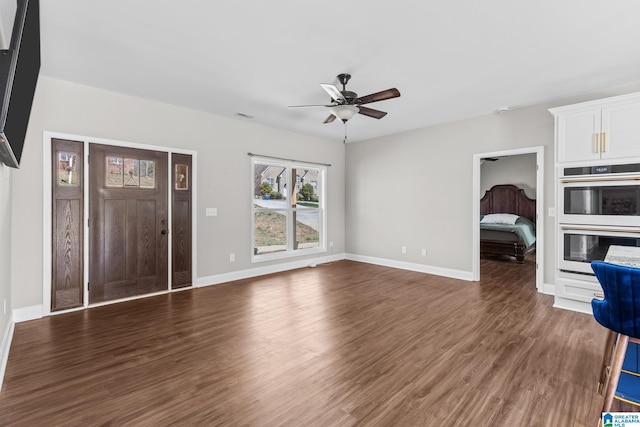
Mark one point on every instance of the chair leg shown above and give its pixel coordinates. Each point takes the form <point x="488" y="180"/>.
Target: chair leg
<point x="616" y="367"/>
<point x="606" y="360"/>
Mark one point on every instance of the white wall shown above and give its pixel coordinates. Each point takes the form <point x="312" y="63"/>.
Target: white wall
<point x="518" y="170"/>
<point x="7" y="16"/>
<point x="414" y="189"/>
<point x="224" y="173"/>
<point x="5" y="248"/>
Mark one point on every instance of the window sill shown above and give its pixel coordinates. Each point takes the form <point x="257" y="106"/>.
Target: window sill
<point x="286" y="255"/>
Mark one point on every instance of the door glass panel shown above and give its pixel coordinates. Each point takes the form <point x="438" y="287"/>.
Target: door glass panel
<point x="147" y="174"/>
<point x="67" y="169"/>
<point x="587" y="248"/>
<point x="182" y="177"/>
<point x="131" y="173"/>
<point x="113" y="172"/>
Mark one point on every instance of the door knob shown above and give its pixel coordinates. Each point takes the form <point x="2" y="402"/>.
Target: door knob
<point x="164" y="232"/>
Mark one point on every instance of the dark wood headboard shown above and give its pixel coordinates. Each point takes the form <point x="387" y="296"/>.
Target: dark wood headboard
<point x="507" y="198"/>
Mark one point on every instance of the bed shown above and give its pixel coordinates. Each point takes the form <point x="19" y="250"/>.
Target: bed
<point x="502" y="234"/>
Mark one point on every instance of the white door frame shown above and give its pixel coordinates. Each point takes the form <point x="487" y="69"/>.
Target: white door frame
<point x="47" y="225"/>
<point x="539" y="151"/>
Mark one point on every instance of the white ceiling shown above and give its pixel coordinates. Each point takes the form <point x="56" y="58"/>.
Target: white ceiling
<point x="449" y="59"/>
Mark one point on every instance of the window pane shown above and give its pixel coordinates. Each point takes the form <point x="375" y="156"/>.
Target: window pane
<point x="131" y="173"/>
<point x="181" y="178"/>
<point x="147" y="174"/>
<point x="307" y="229"/>
<point x="270" y="186"/>
<point x="113" y="172"/>
<point x="270" y="231"/>
<point x="67" y="169"/>
<point x="308" y="188"/>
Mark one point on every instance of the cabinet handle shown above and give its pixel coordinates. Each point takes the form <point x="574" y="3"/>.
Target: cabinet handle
<point x="598" y="294"/>
<point x="601" y="179"/>
<point x="597" y="138"/>
<point x="604" y="228"/>
<point x="604" y="142"/>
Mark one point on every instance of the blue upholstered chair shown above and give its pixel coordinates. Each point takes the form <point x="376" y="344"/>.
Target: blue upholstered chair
<point x="619" y="312"/>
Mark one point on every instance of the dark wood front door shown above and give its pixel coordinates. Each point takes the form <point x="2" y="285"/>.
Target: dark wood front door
<point x="128" y="229"/>
<point x="181" y="220"/>
<point x="67" y="220"/>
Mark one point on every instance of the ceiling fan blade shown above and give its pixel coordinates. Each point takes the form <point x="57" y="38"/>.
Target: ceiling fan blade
<point x="376" y="114"/>
<point x="333" y="92"/>
<point x="379" y="96"/>
<point x="330" y="119"/>
<point x="309" y="106"/>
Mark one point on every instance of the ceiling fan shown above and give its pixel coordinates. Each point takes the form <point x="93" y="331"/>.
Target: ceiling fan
<point x="345" y="104"/>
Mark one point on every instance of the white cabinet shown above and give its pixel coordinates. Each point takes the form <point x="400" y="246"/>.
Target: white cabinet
<point x="577" y="133"/>
<point x="598" y="130"/>
<point x="620" y="131"/>
<point x="605" y="132"/>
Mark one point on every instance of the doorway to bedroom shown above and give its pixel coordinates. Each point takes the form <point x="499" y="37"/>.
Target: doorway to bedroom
<point x="508" y="215"/>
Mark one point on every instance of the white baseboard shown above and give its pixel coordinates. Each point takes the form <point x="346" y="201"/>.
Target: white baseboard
<point x="438" y="271"/>
<point x="27" y="313"/>
<point x="4" y="349"/>
<point x="573" y="305"/>
<point x="216" y="279"/>
<point x="548" y="289"/>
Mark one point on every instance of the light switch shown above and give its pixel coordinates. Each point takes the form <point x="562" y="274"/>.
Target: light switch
<point x="552" y="212"/>
<point x="212" y="211"/>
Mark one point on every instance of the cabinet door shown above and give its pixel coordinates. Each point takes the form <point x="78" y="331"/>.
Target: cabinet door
<point x="621" y="131"/>
<point x="577" y="133"/>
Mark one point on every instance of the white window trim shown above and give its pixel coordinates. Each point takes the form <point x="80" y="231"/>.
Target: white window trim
<point x="289" y="251"/>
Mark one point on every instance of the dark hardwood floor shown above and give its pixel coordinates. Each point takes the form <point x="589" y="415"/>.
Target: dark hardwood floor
<point x="345" y="343"/>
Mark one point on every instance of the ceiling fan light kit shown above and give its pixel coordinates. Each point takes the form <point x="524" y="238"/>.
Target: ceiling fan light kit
<point x="344" y="112"/>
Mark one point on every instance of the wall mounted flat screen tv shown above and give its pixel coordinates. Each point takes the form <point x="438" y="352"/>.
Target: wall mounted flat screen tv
<point x="19" y="69"/>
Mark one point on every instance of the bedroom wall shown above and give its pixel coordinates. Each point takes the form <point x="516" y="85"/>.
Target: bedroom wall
<point x="414" y="189"/>
<point x="518" y="170"/>
<point x="224" y="176"/>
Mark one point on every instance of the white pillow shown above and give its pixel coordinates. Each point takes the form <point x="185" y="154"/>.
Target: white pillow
<point x="501" y="218"/>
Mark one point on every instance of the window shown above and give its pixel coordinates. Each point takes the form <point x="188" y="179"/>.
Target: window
<point x="182" y="177"/>
<point x="288" y="220"/>
<point x="68" y="169"/>
<point x="124" y="172"/>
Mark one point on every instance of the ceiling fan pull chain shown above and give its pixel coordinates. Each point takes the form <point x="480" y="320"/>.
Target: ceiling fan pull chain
<point x="345" y="133"/>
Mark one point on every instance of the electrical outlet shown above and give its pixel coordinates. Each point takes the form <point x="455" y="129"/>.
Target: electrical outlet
<point x="232" y="257"/>
<point x="404" y="249"/>
<point x="330" y="245"/>
<point x="424" y="252"/>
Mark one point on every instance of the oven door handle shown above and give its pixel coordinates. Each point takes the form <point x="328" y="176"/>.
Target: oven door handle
<point x="605" y="229"/>
<point x="602" y="179"/>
